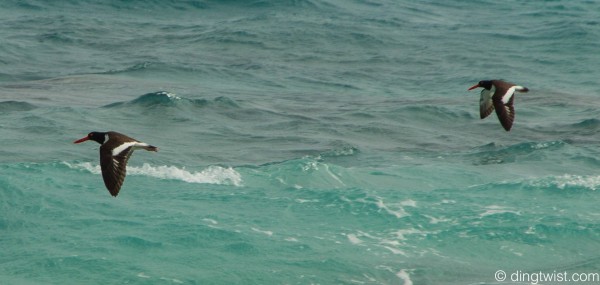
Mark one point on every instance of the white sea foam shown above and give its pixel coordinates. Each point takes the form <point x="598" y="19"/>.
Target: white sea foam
<point x="399" y="213"/>
<point x="591" y="182"/>
<point x="268" y="233"/>
<point x="401" y="234"/>
<point x="395" y="250"/>
<point x="170" y="95"/>
<point x="142" y="275"/>
<point x="211" y="221"/>
<point x="402" y="274"/>
<point x="436" y="220"/>
<point x="333" y="175"/>
<point x="495" y="210"/>
<point x="381" y="205"/>
<point x="210" y="175"/>
<point x="174" y="280"/>
<point x="568" y="180"/>
<point x="354" y="239"/>
<point x="409" y="203"/>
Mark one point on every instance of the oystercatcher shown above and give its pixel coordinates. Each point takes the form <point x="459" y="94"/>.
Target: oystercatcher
<point x="499" y="95"/>
<point x="115" y="150"/>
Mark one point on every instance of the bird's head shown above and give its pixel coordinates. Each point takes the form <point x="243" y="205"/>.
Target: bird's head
<point x="486" y="84"/>
<point x="95" y="136"/>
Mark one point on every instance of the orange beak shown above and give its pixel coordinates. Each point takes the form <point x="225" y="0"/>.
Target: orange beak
<point x="474" y="86"/>
<point x="81" y="140"/>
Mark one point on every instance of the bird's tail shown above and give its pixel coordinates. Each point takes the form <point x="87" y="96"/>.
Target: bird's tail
<point x="522" y="89"/>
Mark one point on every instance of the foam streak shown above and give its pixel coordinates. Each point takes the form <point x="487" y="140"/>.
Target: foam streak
<point x="210" y="175"/>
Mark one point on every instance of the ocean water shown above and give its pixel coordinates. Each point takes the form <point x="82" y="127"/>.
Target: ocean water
<point x="301" y="142"/>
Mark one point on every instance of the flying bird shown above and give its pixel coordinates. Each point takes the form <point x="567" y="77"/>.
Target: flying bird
<point x="115" y="150"/>
<point x="498" y="95"/>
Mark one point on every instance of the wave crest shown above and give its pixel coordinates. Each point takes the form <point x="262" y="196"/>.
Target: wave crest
<point x="493" y="154"/>
<point x="168" y="99"/>
<point x="569" y="181"/>
<point x="211" y="175"/>
<point x="154" y="98"/>
<point x="8" y="106"/>
<point x="587" y="124"/>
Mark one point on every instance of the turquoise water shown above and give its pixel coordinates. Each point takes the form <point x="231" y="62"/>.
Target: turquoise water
<point x="301" y="142"/>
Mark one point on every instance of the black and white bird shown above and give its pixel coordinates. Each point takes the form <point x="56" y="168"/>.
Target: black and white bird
<point x="499" y="95"/>
<point x="115" y="150"/>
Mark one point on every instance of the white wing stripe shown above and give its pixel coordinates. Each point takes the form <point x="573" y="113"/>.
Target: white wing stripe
<point x="519" y="88"/>
<point x="136" y="145"/>
<point x="139" y="145"/>
<point x="509" y="93"/>
<point x="117" y="150"/>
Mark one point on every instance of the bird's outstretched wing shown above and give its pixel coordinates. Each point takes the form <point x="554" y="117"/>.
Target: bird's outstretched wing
<point x="114" y="168"/>
<point x="505" y="111"/>
<point x="485" y="103"/>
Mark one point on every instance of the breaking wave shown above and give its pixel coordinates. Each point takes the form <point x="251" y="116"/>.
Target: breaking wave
<point x="211" y="175"/>
<point x="569" y="181"/>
